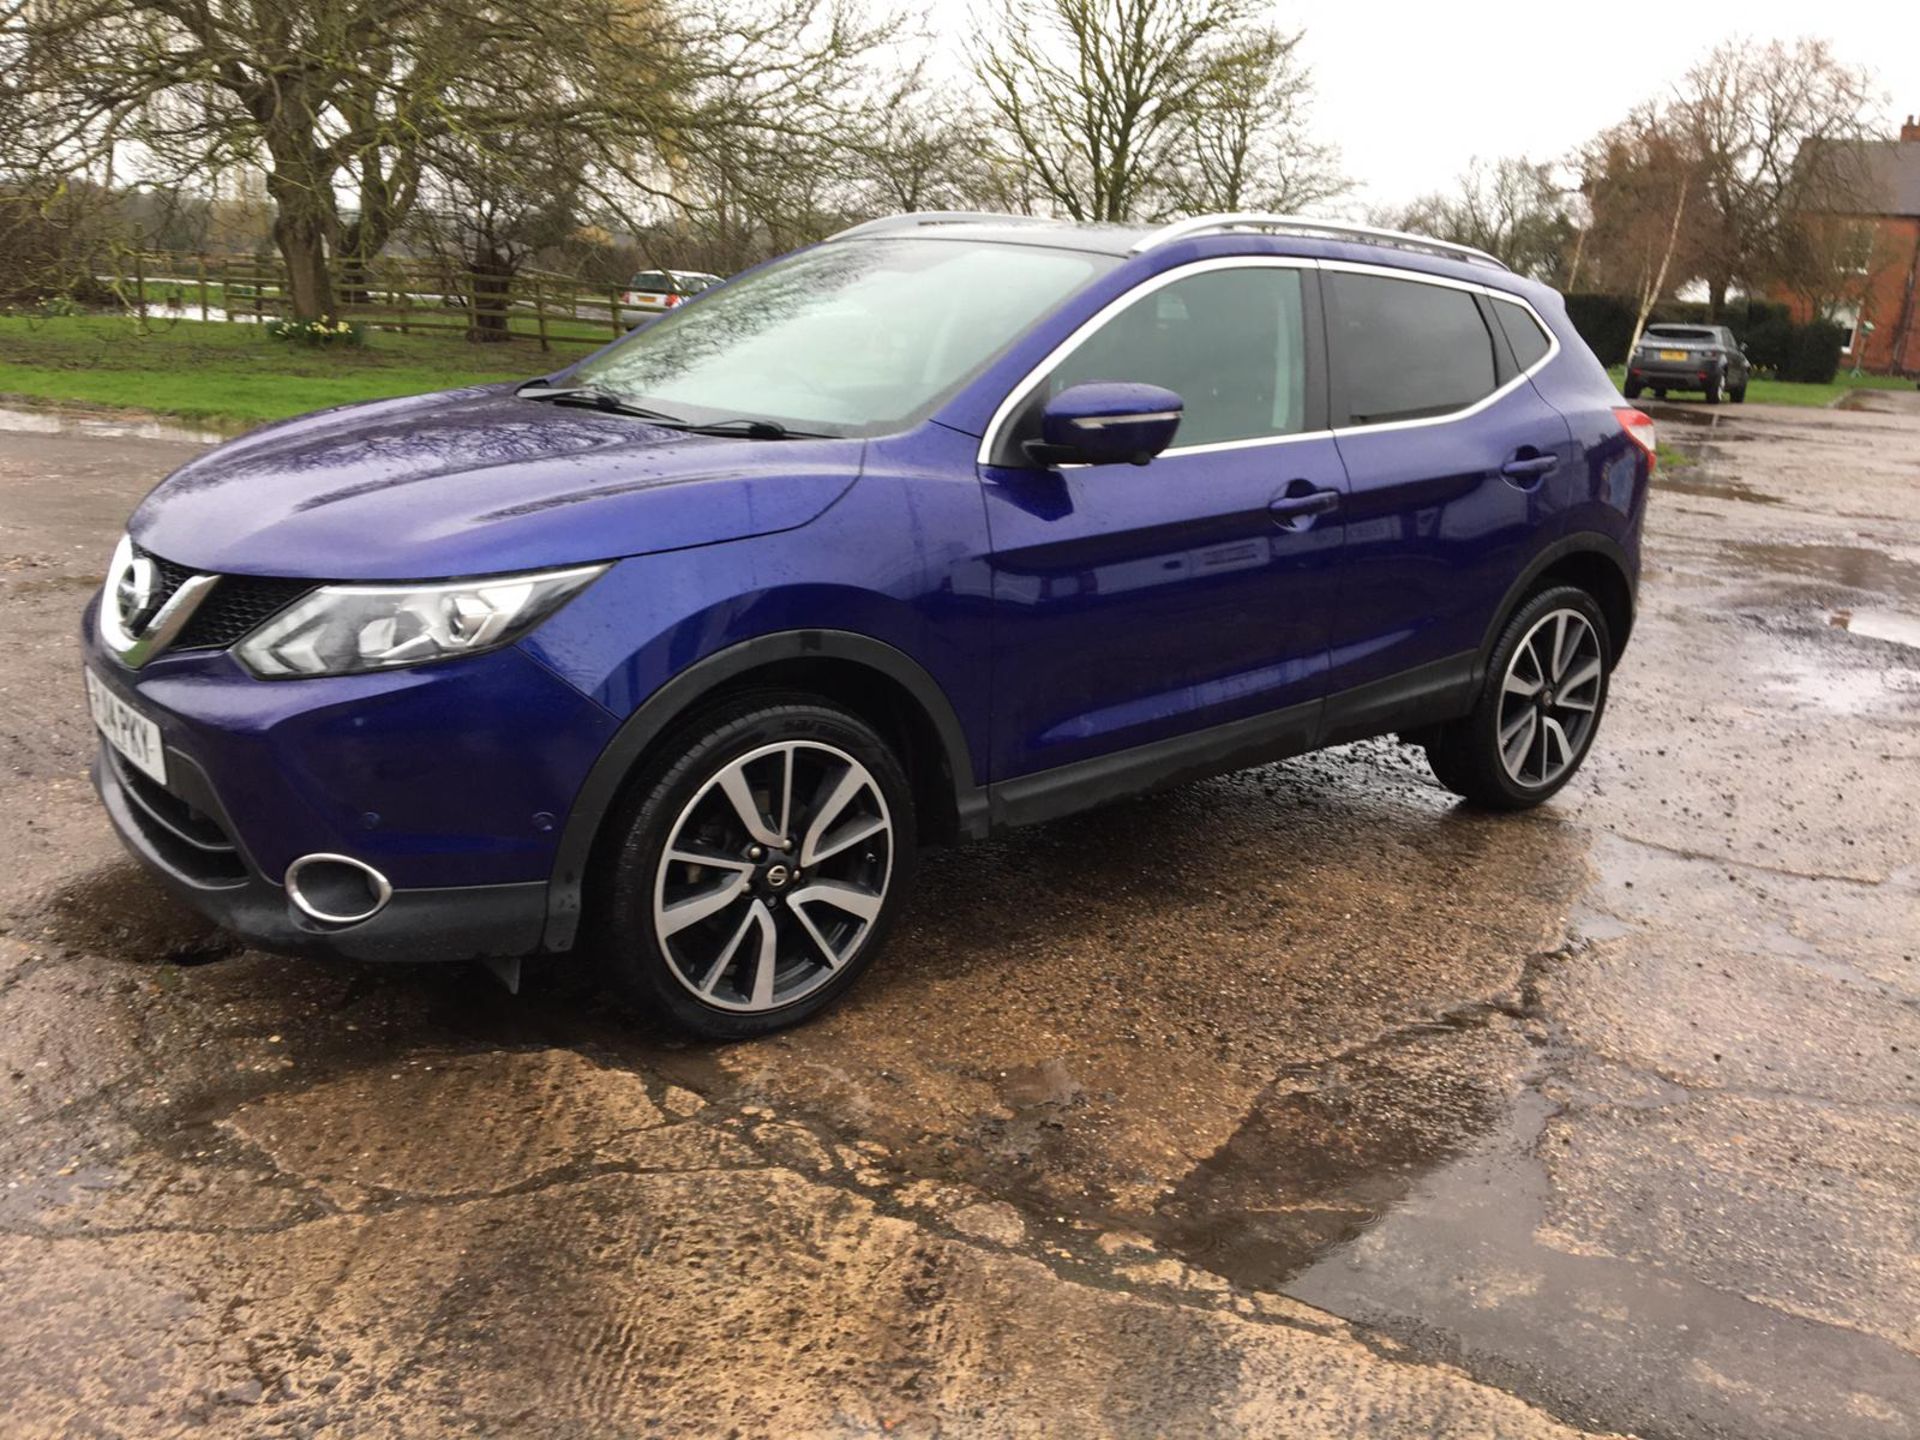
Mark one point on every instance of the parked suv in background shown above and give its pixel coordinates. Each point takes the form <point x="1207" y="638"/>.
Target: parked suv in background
<point x="663" y="289"/>
<point x="1688" y="357"/>
<point x="947" y="524"/>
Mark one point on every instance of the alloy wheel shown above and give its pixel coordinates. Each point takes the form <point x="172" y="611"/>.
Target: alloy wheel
<point x="1550" y="698"/>
<point x="773" y="876"/>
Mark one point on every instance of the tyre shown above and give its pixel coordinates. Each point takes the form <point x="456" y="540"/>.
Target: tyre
<point x="757" y="866"/>
<point x="1713" y="391"/>
<point x="1632" y="389"/>
<point x="1538" y="709"/>
<point x="1659" y="394"/>
<point x="1738" y="394"/>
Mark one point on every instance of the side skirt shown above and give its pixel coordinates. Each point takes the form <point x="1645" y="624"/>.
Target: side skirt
<point x="1441" y="690"/>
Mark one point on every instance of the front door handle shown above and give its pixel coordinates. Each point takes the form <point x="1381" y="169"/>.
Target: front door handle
<point x="1295" y="509"/>
<point x="1530" y="467"/>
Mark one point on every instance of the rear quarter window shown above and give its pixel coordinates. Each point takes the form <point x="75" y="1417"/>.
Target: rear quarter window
<point x="1406" y="350"/>
<point x="1530" y="343"/>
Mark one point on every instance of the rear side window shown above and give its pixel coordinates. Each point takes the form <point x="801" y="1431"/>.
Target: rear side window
<point x="1524" y="334"/>
<point x="1230" y="343"/>
<point x="652" y="280"/>
<point x="1404" y="350"/>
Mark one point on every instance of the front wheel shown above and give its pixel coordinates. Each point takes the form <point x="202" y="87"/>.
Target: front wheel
<point x="758" y="868"/>
<point x="1539" y="706"/>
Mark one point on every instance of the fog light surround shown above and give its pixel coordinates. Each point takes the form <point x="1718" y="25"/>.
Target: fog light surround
<point x="337" y="889"/>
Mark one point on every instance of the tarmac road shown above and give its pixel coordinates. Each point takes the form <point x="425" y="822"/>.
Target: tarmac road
<point x="1297" y="1103"/>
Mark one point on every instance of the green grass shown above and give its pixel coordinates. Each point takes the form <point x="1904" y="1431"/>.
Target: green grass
<point x="1793" y="392"/>
<point x="236" y="375"/>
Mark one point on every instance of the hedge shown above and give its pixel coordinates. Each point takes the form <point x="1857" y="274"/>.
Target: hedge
<point x="1774" y="343"/>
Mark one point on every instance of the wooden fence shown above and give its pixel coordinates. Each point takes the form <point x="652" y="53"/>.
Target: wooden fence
<point x="410" y="296"/>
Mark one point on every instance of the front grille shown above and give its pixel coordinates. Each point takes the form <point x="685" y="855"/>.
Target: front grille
<point x="235" y="605"/>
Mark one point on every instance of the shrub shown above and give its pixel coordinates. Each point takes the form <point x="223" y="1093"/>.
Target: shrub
<point x="1605" y="322"/>
<point x="348" y="333"/>
<point x="1813" y="352"/>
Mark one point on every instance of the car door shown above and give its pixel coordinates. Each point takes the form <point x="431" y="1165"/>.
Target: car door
<point x="1455" y="465"/>
<point x="1137" y="606"/>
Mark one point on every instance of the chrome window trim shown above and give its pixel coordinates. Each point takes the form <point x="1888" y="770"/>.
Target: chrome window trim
<point x="1017" y="396"/>
<point x="1494" y="294"/>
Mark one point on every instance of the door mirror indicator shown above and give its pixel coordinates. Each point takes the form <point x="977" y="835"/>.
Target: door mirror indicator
<point x="1106" y="423"/>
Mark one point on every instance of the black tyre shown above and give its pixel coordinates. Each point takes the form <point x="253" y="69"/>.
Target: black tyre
<point x="1632" y="389"/>
<point x="757" y="867"/>
<point x="1738" y="394"/>
<point x="1539" y="706"/>
<point x="1713" y="390"/>
<point x="1659" y="394"/>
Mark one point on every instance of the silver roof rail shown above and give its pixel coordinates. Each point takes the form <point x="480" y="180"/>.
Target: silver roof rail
<point x="1308" y="225"/>
<point x="901" y="224"/>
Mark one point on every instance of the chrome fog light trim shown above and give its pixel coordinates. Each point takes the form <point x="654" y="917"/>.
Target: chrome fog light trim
<point x="327" y="894"/>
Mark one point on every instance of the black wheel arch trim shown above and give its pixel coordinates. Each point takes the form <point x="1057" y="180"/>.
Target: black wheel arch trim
<point x="1588" y="542"/>
<point x="686" y="690"/>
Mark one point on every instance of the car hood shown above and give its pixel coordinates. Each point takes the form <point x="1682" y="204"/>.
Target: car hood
<point x="476" y="482"/>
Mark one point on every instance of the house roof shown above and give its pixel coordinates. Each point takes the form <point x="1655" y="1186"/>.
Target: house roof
<point x="1893" y="170"/>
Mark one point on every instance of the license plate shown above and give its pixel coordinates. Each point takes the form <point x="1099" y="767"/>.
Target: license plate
<point x="127" y="730"/>
<point x="1673" y="355"/>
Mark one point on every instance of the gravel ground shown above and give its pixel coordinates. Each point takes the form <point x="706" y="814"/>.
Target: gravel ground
<point x="1297" y="1103"/>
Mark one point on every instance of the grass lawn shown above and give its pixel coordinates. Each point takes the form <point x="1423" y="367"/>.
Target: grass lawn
<point x="236" y="375"/>
<point x="1791" y="392"/>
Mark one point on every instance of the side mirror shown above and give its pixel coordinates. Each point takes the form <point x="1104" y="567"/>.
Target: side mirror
<point x="1106" y="422"/>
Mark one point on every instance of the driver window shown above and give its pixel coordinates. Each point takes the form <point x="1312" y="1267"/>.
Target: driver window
<point x="1230" y="343"/>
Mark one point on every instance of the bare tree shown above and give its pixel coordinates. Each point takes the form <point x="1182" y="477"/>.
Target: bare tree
<point x="333" y="96"/>
<point x="1641" y="180"/>
<point x="1246" y="146"/>
<point x="1777" y="129"/>
<point x="1512" y="208"/>
<point x="1098" y="100"/>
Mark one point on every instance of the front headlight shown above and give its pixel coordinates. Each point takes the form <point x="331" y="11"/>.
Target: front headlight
<point x="346" y="629"/>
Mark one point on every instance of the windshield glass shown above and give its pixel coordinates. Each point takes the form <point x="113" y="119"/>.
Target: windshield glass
<point x="1679" y="332"/>
<point x="854" y="338"/>
<point x="651" y="280"/>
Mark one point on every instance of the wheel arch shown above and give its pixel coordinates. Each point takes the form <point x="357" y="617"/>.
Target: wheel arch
<point x="1596" y="563"/>
<point x="881" y="684"/>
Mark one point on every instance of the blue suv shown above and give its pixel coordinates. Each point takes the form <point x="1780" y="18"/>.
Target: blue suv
<point x="952" y="522"/>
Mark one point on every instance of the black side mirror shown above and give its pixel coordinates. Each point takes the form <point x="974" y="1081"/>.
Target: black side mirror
<point x="1106" y="422"/>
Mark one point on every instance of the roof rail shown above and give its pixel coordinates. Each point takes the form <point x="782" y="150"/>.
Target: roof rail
<point x="900" y="224"/>
<point x="1308" y="225"/>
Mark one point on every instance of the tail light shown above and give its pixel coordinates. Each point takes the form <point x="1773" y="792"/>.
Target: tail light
<point x="672" y="300"/>
<point x="1639" y="429"/>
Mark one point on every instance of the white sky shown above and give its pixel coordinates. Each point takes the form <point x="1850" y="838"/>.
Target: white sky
<point x="1411" y="92"/>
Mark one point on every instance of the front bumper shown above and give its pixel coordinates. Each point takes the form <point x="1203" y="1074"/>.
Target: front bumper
<point x="471" y="922"/>
<point x="453" y="781"/>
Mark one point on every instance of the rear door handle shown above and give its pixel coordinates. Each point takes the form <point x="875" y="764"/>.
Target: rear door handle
<point x="1530" y="467"/>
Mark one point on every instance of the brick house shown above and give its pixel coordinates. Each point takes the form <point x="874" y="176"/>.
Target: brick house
<point x="1886" y="289"/>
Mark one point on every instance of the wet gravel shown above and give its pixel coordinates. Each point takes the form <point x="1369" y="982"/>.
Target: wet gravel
<point x="1297" y="1102"/>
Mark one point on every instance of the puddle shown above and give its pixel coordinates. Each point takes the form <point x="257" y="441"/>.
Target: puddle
<point x="1712" y="489"/>
<point x="1849" y="692"/>
<point x="1878" y="625"/>
<point x="102" y="427"/>
<point x="1852" y="566"/>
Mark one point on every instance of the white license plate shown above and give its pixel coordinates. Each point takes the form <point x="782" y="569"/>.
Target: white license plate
<point x="127" y="730"/>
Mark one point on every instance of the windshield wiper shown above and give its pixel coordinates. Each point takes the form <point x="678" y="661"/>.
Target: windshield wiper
<point x="753" y="429"/>
<point x="596" y="399"/>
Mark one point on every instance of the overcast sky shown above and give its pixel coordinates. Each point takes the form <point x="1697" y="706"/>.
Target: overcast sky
<point x="1411" y="92"/>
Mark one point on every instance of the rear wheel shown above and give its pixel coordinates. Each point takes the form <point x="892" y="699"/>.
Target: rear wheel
<point x="1713" y="390"/>
<point x="759" y="867"/>
<point x="1539" y="706"/>
<point x="1632" y="389"/>
<point x="1738" y="394"/>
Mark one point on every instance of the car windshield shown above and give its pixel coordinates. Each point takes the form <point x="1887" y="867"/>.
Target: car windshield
<point x="854" y="338"/>
<point x="1679" y="332"/>
<point x="651" y="280"/>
